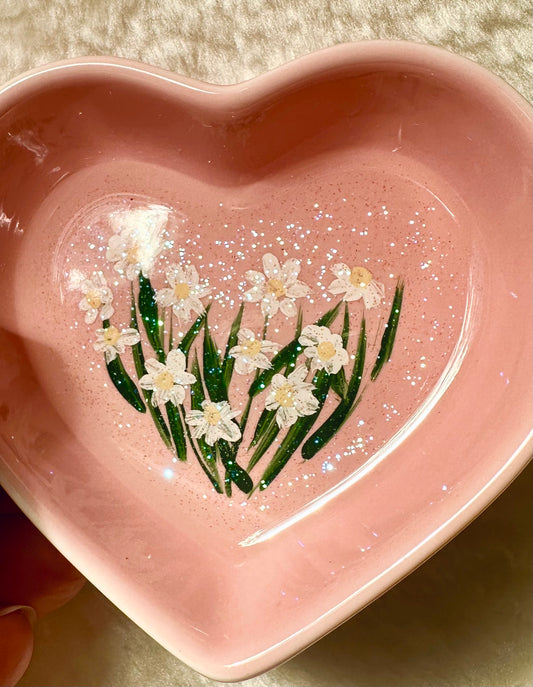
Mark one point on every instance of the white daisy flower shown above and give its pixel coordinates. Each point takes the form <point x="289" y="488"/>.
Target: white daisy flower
<point x="277" y="288"/>
<point x="185" y="292"/>
<point x="97" y="296"/>
<point x="325" y="349"/>
<point x="138" y="239"/>
<point x="250" y="353"/>
<point x="291" y="397"/>
<point x="167" y="380"/>
<point x="214" y="422"/>
<point x="111" y="341"/>
<point x="356" y="283"/>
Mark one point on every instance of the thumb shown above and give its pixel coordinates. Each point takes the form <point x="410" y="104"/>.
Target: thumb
<point x="16" y="643"/>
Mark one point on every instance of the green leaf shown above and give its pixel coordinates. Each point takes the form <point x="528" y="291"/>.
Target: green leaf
<point x="197" y="390"/>
<point x="387" y="341"/>
<point x="341" y="413"/>
<point x="176" y="429"/>
<point x="262" y="424"/>
<point x="213" y="374"/>
<point x="358" y="365"/>
<point x="150" y="316"/>
<point x="188" y="340"/>
<point x="345" y="335"/>
<point x="138" y="361"/>
<point x="236" y="473"/>
<point x="269" y="432"/>
<point x="297" y="432"/>
<point x="125" y="384"/>
<point x="338" y="382"/>
<point x="229" y="362"/>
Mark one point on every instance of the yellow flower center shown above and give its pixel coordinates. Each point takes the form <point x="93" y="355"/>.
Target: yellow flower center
<point x="182" y="290"/>
<point x="285" y="396"/>
<point x="212" y="415"/>
<point x="94" y="299"/>
<point x="164" y="381"/>
<point x="325" y="350"/>
<point x="251" y="347"/>
<point x="132" y="256"/>
<point x="111" y="336"/>
<point x="276" y="287"/>
<point x="360" y="277"/>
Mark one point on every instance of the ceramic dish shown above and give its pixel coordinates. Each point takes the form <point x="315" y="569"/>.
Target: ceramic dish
<point x="265" y="347"/>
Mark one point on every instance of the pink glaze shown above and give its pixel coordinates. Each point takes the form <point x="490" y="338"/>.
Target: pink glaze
<point x="402" y="158"/>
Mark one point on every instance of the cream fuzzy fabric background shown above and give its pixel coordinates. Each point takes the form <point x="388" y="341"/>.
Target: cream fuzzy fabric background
<point x="232" y="40"/>
<point x="463" y="619"/>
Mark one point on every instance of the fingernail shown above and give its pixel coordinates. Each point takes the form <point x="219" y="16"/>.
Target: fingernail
<point x="27" y="611"/>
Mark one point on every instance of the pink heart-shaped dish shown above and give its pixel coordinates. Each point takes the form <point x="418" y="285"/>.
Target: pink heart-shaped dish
<point x="265" y="347"/>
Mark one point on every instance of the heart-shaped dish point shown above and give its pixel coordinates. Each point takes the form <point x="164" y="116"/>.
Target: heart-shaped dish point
<point x="264" y="347"/>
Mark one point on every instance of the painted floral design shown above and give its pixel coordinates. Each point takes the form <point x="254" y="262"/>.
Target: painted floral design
<point x="184" y="293"/>
<point x="291" y="397"/>
<point x="325" y="350"/>
<point x="214" y="422"/>
<point x="251" y="352"/>
<point x="277" y="287"/>
<point x="167" y="381"/>
<point x="302" y="389"/>
<point x="112" y="342"/>
<point x="355" y="283"/>
<point x="138" y="239"/>
<point x="97" y="296"/>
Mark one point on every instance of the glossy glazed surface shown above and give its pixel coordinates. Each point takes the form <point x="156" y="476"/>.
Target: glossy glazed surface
<point x="399" y="157"/>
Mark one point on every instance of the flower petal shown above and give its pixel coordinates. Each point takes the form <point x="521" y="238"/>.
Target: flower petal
<point x="290" y="271"/>
<point x="242" y="367"/>
<point x="212" y="434"/>
<point x="106" y="311"/>
<point x="254" y="294"/>
<point x="177" y="395"/>
<point x="110" y="354"/>
<point x="373" y="294"/>
<point x="90" y="316"/>
<point x="191" y="275"/>
<point x="309" y="335"/>
<point x="271" y="266"/>
<point x="176" y="362"/>
<point x="260" y="361"/>
<point x="194" y="418"/>
<point x="286" y="417"/>
<point x="254" y="277"/>
<point x="338" y="286"/>
<point x="297" y="290"/>
<point x="288" y="308"/>
<point x="341" y="271"/>
<point x="269" y="305"/>
<point x="230" y="431"/>
<point x="245" y="335"/>
<point x="153" y="366"/>
<point x="129" y="337"/>
<point x="195" y="304"/>
<point x="298" y="374"/>
<point x="269" y="346"/>
<point x="353" y="293"/>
